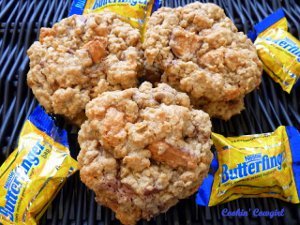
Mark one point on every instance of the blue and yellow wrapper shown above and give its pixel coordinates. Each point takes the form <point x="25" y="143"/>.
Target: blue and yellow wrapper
<point x="278" y="50"/>
<point x="135" y="12"/>
<point x="252" y="166"/>
<point x="34" y="173"/>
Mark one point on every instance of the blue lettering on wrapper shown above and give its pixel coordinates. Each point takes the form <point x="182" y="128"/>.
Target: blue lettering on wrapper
<point x="101" y="3"/>
<point x="15" y="186"/>
<point x="252" y="169"/>
<point x="225" y="176"/>
<point x="288" y="45"/>
<point x="11" y="199"/>
<point x="133" y="2"/>
<point x="252" y="165"/>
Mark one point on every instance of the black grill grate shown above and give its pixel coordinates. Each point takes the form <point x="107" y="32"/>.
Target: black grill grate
<point x="266" y="109"/>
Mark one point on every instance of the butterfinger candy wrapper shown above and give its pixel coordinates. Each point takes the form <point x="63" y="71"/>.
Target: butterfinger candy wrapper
<point x="250" y="166"/>
<point x="135" y="12"/>
<point x="35" y="171"/>
<point x="278" y="50"/>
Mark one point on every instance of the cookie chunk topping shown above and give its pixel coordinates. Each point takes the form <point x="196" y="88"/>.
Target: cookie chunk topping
<point x="79" y="58"/>
<point x="143" y="149"/>
<point x="198" y="50"/>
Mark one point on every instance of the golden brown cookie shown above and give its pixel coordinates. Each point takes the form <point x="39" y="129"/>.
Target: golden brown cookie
<point x="143" y="149"/>
<point x="79" y="58"/>
<point x="198" y="50"/>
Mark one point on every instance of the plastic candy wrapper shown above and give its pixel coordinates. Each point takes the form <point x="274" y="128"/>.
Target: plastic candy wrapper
<point x="33" y="174"/>
<point x="278" y="50"/>
<point x="135" y="12"/>
<point x="259" y="165"/>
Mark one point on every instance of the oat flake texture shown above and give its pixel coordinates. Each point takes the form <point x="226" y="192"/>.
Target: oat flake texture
<point x="79" y="58"/>
<point x="143" y="149"/>
<point x="198" y="50"/>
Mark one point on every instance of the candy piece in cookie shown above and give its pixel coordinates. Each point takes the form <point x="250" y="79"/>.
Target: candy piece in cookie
<point x="143" y="149"/>
<point x="198" y="50"/>
<point x="76" y="60"/>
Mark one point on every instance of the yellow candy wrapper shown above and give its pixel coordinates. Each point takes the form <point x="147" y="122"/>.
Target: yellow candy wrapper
<point x="135" y="12"/>
<point x="250" y="166"/>
<point x="278" y="50"/>
<point x="34" y="173"/>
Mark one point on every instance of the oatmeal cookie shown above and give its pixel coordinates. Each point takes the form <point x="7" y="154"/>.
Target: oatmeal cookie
<point x="79" y="58"/>
<point x="143" y="149"/>
<point x="198" y="50"/>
